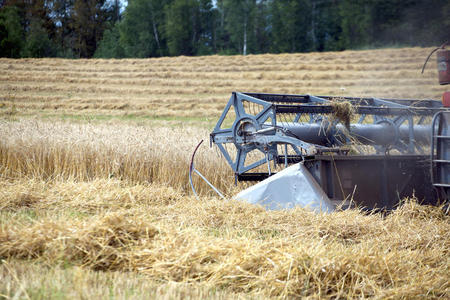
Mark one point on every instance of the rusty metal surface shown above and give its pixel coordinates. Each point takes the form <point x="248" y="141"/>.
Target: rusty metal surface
<point x="443" y="65"/>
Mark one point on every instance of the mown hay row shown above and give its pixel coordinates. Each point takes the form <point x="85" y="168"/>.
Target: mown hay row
<point x="349" y="72"/>
<point x="38" y="281"/>
<point x="179" y="86"/>
<point x="365" y="55"/>
<point x="235" y="246"/>
<point x="389" y="73"/>
<point x="235" y="66"/>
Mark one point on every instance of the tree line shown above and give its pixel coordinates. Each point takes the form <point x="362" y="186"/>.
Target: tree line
<point x="153" y="28"/>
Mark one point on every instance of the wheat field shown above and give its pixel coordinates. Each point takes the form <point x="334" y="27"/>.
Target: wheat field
<point x="95" y="200"/>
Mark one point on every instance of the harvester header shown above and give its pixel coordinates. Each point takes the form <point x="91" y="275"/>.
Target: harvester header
<point x="372" y="151"/>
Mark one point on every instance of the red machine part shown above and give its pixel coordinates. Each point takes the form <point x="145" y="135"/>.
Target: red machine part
<point x="446" y="99"/>
<point x="443" y="65"/>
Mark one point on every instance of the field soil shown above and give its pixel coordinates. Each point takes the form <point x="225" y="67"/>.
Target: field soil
<point x="95" y="200"/>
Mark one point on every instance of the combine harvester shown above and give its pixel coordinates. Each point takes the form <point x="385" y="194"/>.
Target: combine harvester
<point x="365" y="152"/>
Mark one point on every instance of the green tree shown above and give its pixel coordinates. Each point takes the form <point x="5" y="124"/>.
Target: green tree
<point x="291" y="26"/>
<point x="38" y="43"/>
<point x="328" y="29"/>
<point x="181" y="26"/>
<point x="114" y="10"/>
<point x="142" y="28"/>
<point x="239" y="24"/>
<point x="261" y="27"/>
<point x="89" y="22"/>
<point x="39" y="12"/>
<point x="221" y="40"/>
<point x="356" y="23"/>
<point x="34" y="9"/>
<point x="62" y="13"/>
<point x="206" y="36"/>
<point x="11" y="32"/>
<point x="244" y="26"/>
<point x="189" y="27"/>
<point x="109" y="46"/>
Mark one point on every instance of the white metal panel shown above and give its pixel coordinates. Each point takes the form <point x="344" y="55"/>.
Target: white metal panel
<point x="294" y="186"/>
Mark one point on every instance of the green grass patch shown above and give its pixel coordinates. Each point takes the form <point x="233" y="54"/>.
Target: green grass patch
<point x="139" y="119"/>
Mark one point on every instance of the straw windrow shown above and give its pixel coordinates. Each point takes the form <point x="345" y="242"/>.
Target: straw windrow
<point x="235" y="246"/>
